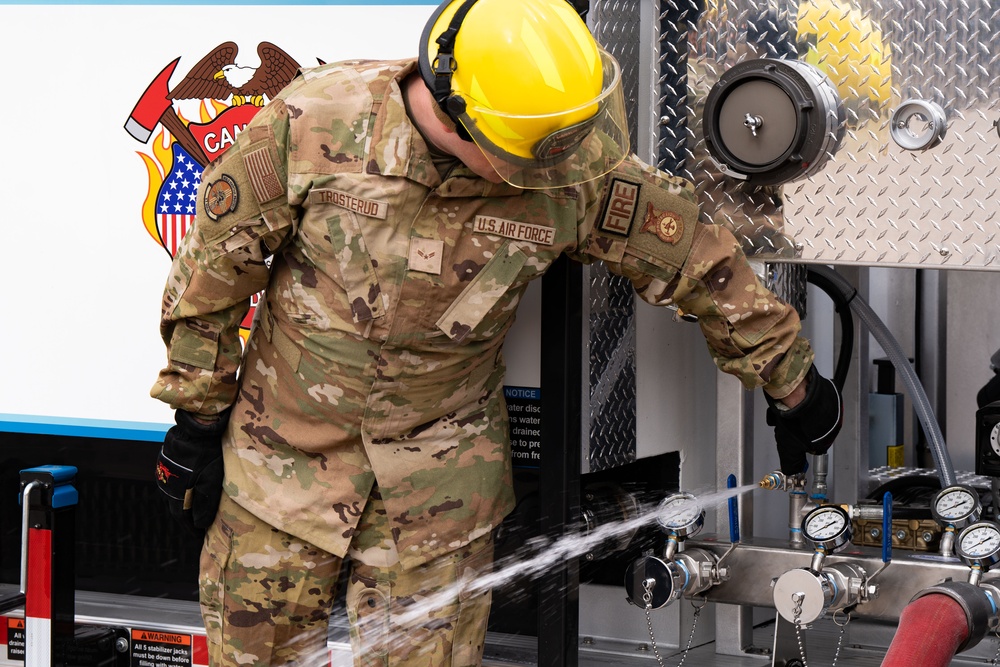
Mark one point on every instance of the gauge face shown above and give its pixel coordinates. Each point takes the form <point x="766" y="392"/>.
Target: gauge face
<point x="680" y="513"/>
<point x="980" y="543"/>
<point x="824" y="524"/>
<point x="957" y="506"/>
<point x="827" y="527"/>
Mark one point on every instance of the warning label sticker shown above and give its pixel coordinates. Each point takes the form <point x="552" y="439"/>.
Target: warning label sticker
<point x="153" y="648"/>
<point x="15" y="639"/>
<point x="524" y="407"/>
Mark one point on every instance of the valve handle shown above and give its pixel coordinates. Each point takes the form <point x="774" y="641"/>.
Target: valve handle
<point x="734" y="512"/>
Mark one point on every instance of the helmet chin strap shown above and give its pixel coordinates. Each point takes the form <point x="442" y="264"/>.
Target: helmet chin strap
<point x="444" y="65"/>
<point x="448" y="121"/>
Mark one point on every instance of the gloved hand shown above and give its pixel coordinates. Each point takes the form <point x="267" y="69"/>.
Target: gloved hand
<point x="189" y="469"/>
<point x="810" y="427"/>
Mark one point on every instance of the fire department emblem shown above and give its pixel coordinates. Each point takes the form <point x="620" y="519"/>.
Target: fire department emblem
<point x="667" y="225"/>
<point x="186" y="126"/>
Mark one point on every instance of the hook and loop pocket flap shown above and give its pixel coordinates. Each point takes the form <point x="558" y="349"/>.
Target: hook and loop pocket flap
<point x="494" y="280"/>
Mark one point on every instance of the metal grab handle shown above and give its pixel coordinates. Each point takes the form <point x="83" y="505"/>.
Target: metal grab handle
<point x="24" y="533"/>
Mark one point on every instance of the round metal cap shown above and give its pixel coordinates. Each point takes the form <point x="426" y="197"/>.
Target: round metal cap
<point x="771" y="121"/>
<point x="801" y="588"/>
<point x="918" y="125"/>
<point x="652" y="576"/>
<point x="758" y="122"/>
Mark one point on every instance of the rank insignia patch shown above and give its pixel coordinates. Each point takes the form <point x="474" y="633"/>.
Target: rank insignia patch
<point x="667" y="225"/>
<point x="425" y="255"/>
<point x="221" y="197"/>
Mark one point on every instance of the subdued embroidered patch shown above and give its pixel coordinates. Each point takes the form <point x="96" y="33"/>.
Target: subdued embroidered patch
<point x="372" y="208"/>
<point x="512" y="229"/>
<point x="667" y="225"/>
<point x="619" y="209"/>
<point x="263" y="177"/>
<point x="221" y="197"/>
<point x="425" y="255"/>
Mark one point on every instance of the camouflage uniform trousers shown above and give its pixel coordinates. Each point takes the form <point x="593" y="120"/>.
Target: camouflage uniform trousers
<point x="266" y="597"/>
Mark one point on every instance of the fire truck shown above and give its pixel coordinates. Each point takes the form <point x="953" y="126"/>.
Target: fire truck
<point x="850" y="145"/>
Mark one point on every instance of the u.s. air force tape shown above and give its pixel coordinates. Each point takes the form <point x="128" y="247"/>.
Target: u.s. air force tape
<point x="514" y="229"/>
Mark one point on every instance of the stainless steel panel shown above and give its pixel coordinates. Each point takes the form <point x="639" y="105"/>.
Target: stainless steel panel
<point x="873" y="202"/>
<point x="756" y="562"/>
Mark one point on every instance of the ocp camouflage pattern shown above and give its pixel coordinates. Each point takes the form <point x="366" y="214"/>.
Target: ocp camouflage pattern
<point x="376" y="353"/>
<point x="266" y="597"/>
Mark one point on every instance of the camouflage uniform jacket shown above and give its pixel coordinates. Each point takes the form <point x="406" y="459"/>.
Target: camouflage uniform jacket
<point x="376" y="353"/>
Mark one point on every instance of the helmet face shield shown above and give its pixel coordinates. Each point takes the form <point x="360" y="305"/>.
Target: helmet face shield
<point x="554" y="149"/>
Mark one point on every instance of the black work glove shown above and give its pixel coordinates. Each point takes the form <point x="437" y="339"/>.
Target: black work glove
<point x="189" y="470"/>
<point x="808" y="428"/>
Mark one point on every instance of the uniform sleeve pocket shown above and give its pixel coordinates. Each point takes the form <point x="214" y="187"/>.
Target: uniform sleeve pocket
<point x="196" y="343"/>
<point x="471" y="307"/>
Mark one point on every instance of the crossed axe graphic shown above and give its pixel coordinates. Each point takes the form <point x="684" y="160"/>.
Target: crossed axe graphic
<point x="155" y="107"/>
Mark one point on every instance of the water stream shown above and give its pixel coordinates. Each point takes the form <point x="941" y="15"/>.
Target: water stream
<point x="547" y="554"/>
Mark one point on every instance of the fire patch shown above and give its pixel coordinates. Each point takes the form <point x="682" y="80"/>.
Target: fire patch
<point x="619" y="210"/>
<point x="667" y="225"/>
<point x="221" y="197"/>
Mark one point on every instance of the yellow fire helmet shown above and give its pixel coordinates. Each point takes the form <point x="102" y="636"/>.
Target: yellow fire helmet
<point x="527" y="82"/>
<point x="848" y="47"/>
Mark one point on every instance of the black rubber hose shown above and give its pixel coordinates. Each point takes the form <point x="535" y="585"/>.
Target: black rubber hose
<point x="842" y="304"/>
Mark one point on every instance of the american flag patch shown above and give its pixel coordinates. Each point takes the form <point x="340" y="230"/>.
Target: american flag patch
<point x="263" y="177"/>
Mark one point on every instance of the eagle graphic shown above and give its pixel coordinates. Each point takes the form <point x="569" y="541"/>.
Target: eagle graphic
<point x="217" y="76"/>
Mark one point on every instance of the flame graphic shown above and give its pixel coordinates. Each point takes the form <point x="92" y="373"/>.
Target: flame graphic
<point x="157" y="167"/>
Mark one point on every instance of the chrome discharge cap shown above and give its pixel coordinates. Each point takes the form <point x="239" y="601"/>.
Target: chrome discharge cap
<point x="771" y="121"/>
<point x="802" y="596"/>
<point x="652" y="582"/>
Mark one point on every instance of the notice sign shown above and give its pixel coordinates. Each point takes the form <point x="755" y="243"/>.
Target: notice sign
<point x="524" y="406"/>
<point x="15" y="639"/>
<point x="153" y="648"/>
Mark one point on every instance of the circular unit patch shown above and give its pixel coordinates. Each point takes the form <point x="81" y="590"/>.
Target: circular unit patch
<point x="221" y="197"/>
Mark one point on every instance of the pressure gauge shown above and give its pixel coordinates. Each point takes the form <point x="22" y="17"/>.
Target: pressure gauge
<point x="681" y="514"/>
<point x="956" y="506"/>
<point x="979" y="545"/>
<point x="828" y="528"/>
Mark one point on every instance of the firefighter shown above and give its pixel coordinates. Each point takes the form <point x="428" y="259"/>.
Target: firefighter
<point x="395" y="213"/>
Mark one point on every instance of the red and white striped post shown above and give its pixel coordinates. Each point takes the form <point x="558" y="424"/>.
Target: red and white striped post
<point x="48" y="571"/>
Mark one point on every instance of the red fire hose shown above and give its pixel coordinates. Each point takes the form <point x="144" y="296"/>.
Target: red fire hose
<point x="931" y="629"/>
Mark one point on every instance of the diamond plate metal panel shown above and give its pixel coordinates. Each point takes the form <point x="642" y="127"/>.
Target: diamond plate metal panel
<point x="872" y="203"/>
<point x="699" y="42"/>
<point x="612" y="310"/>
<point x="612" y="372"/>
